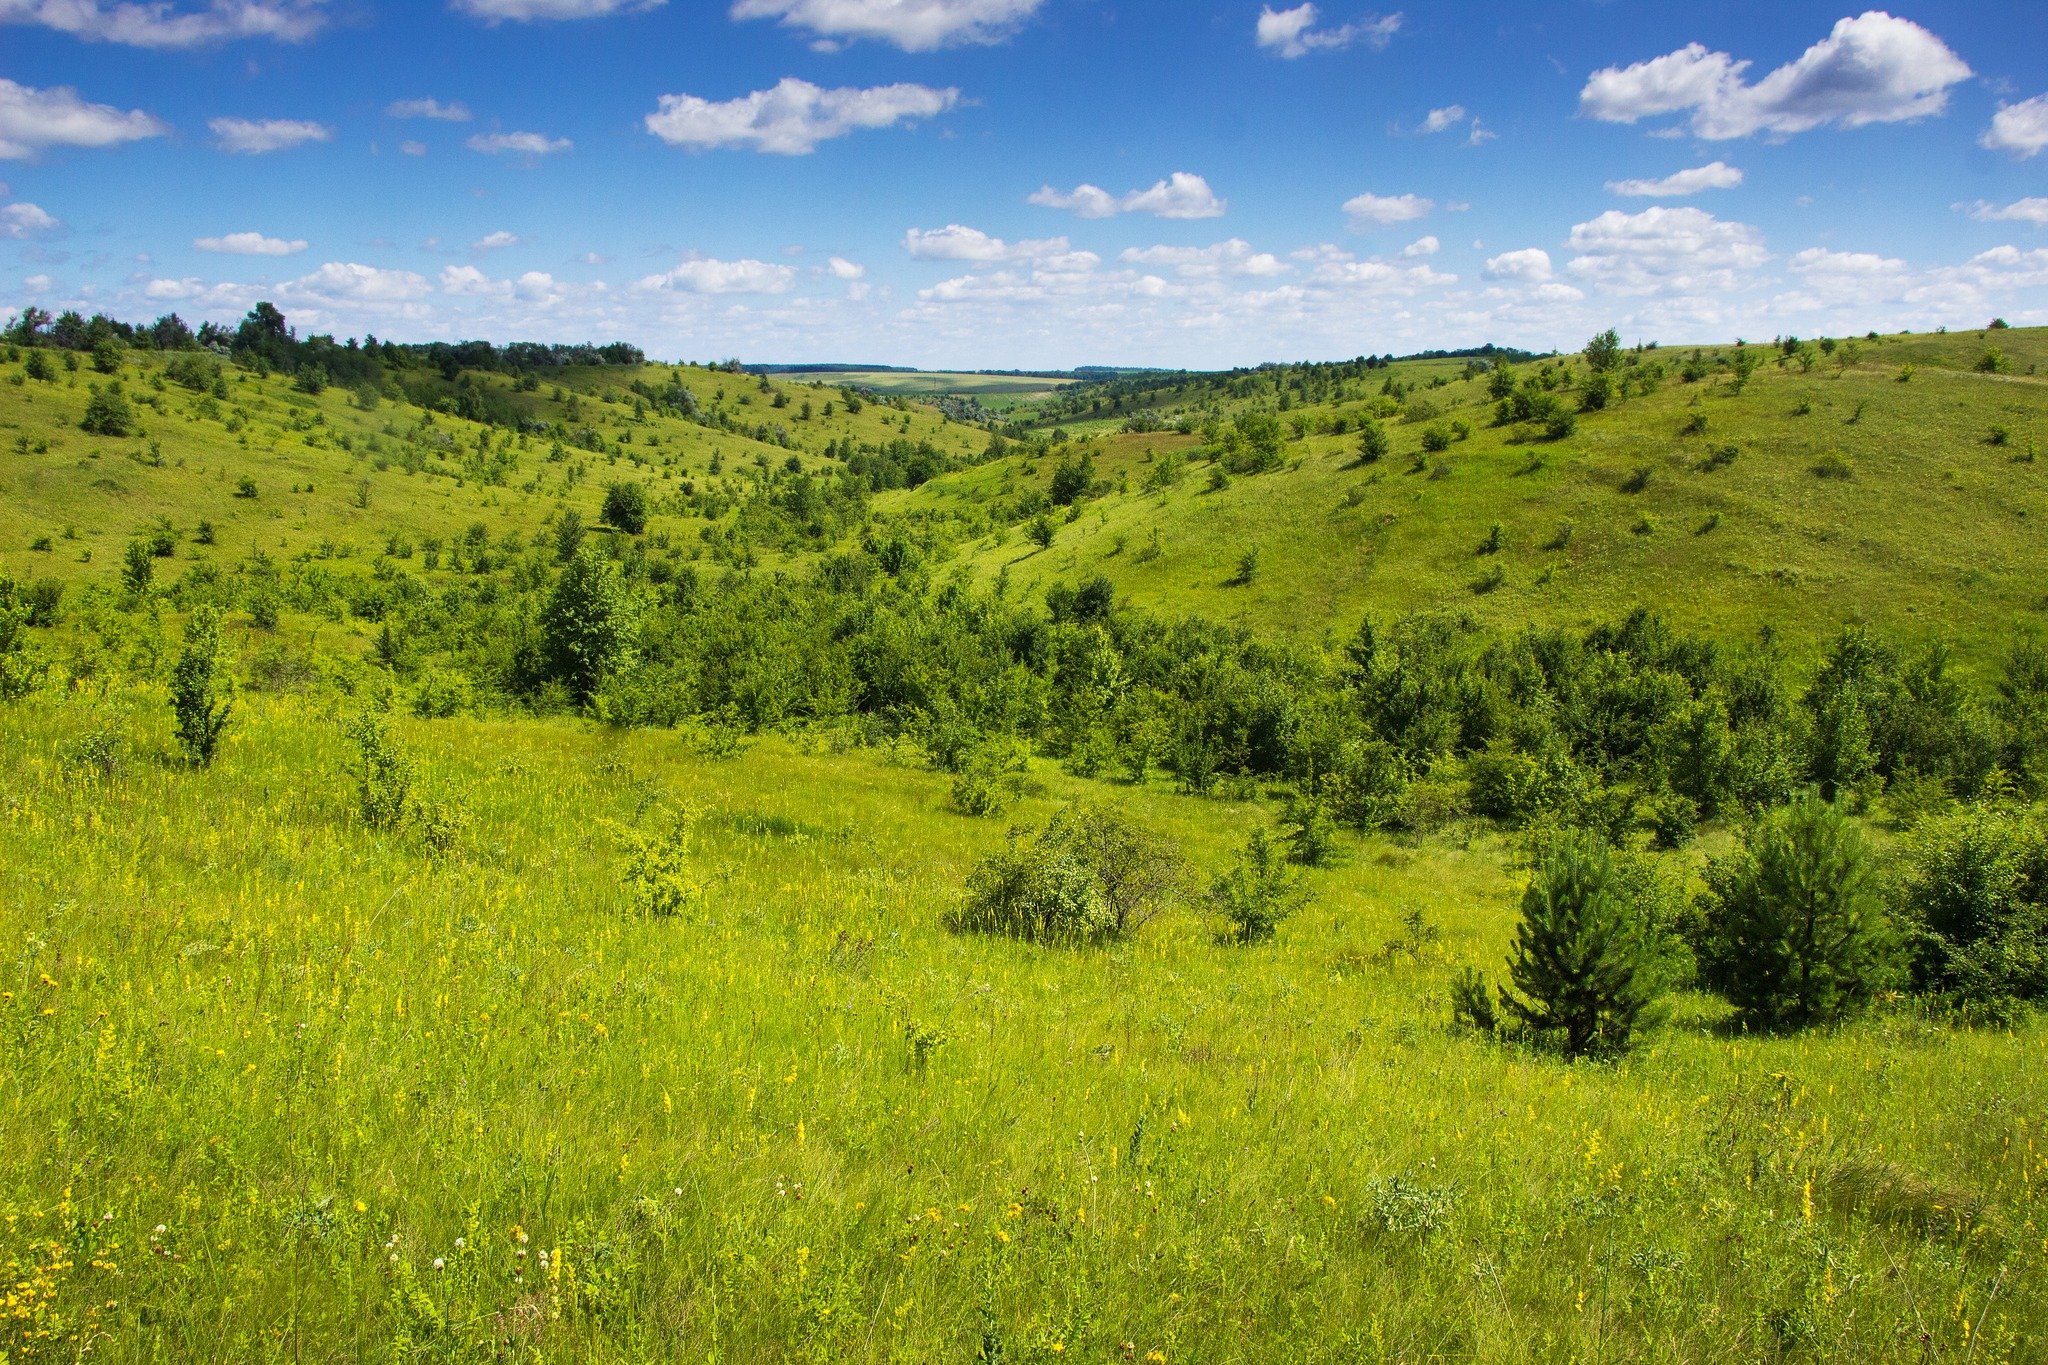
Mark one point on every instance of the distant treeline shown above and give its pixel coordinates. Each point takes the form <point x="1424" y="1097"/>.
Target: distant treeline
<point x="264" y="340"/>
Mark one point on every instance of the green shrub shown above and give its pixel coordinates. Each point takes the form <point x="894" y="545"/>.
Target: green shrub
<point x="589" y="626"/>
<point x="21" y="667"/>
<point x="383" y="773"/>
<point x="625" y="508"/>
<point x="1258" y="891"/>
<point x="202" y="688"/>
<point x="1792" y="931"/>
<point x="1583" y="969"/>
<point x="1311" y="829"/>
<point x="1090" y="876"/>
<point x="1373" y="442"/>
<point x="658" y="877"/>
<point x="1976" y="898"/>
<point x="108" y="412"/>
<point x="1436" y="438"/>
<point x="990" y="777"/>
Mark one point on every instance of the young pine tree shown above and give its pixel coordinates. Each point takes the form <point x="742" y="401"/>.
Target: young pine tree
<point x="202" y="689"/>
<point x="588" y="626"/>
<point x="1582" y="968"/>
<point x="1794" y="931"/>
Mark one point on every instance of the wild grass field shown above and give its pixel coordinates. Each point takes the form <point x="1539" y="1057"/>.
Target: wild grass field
<point x="586" y="940"/>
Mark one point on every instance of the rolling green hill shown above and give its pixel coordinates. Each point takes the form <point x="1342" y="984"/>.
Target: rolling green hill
<point x="1800" y="499"/>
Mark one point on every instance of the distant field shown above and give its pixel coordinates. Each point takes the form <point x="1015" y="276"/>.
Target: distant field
<point x="908" y="383"/>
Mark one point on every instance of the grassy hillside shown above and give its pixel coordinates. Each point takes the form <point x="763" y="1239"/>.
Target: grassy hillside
<point x="279" y="1087"/>
<point x="334" y="477"/>
<point x="563" y="956"/>
<point x="1807" y="498"/>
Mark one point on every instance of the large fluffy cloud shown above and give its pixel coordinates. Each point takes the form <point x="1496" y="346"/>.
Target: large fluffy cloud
<point x="255" y="137"/>
<point x="155" y="24"/>
<point x="2021" y="129"/>
<point x="32" y="120"/>
<point x="19" y="222"/>
<point x="1182" y="195"/>
<point x="1663" y="250"/>
<point x="1872" y="69"/>
<point x="794" y="117"/>
<point x="913" y="25"/>
<point x="1293" y="33"/>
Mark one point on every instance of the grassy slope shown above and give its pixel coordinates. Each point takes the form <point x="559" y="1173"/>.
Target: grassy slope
<point x="1937" y="529"/>
<point x="104" y="491"/>
<point x="318" y="1057"/>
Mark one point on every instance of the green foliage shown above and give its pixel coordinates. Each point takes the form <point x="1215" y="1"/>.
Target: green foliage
<point x="1073" y="478"/>
<point x="1091" y="875"/>
<point x="21" y="665"/>
<point x="625" y="508"/>
<point x="1582" y="967"/>
<point x="1603" y="352"/>
<point x="1259" y="890"/>
<point x="1793" y="931"/>
<point x="384" y="775"/>
<point x="108" y="412"/>
<point x="1374" y="444"/>
<point x="202" y="688"/>
<point x="589" y="626"/>
<point x="660" y="876"/>
<point x="1976" y="903"/>
<point x="1041" y="531"/>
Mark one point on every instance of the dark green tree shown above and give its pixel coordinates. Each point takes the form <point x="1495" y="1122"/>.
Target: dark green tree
<point x="588" y="627"/>
<point x="108" y="413"/>
<point x="625" y="508"/>
<point x="1373" y="445"/>
<point x="1794" y="932"/>
<point x="1582" y="969"/>
<point x="1603" y="352"/>
<point x="202" y="687"/>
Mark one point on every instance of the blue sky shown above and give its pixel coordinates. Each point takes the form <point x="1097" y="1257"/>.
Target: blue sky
<point x="1028" y="183"/>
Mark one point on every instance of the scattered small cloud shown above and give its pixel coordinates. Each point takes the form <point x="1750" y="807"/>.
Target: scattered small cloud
<point x="1235" y="257"/>
<point x="1293" y="33"/>
<point x="1376" y="210"/>
<point x="518" y="144"/>
<point x="957" y="243"/>
<point x="249" y="244"/>
<point x="2021" y="129"/>
<point x="161" y="25"/>
<point x="1528" y="266"/>
<point x="33" y="120"/>
<point x="1444" y="119"/>
<point x="913" y="25"/>
<point x="1422" y="247"/>
<point x="794" y="117"/>
<point x="1870" y="69"/>
<point x="1181" y="195"/>
<point x="411" y="148"/>
<point x="2033" y="211"/>
<point x="19" y="222"/>
<point x="453" y="112"/>
<point x="258" y="137"/>
<point x="496" y="241"/>
<point x="839" y="268"/>
<point x="525" y="11"/>
<point x="724" y="277"/>
<point x="1717" y="176"/>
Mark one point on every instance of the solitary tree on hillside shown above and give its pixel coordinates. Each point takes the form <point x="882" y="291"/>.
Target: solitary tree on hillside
<point x="588" y="627"/>
<point x="202" y="688"/>
<point x="625" y="508"/>
<point x="1603" y="352"/>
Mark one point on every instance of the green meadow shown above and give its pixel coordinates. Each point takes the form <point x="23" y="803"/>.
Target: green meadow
<point x="567" y="953"/>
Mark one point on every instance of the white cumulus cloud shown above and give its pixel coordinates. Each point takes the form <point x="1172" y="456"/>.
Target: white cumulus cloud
<point x="957" y="243"/>
<point x="1717" y="176"/>
<point x="1293" y="33"/>
<point x="1664" y="250"/>
<point x="157" y="24"/>
<point x="349" y="282"/>
<point x="518" y="144"/>
<point x="1441" y="120"/>
<point x="1235" y="257"/>
<point x="724" y="277"/>
<point x="2021" y="129"/>
<point x="496" y="241"/>
<point x="32" y="120"/>
<point x="523" y="11"/>
<point x="18" y="222"/>
<point x="1874" y="68"/>
<point x="1380" y="210"/>
<point x="794" y="117"/>
<point x="255" y="137"/>
<point x="249" y="244"/>
<point x="1421" y="248"/>
<point x="913" y="25"/>
<point x="1531" y="266"/>
<point x="453" y="112"/>
<point x="2034" y="210"/>
<point x="1181" y="195"/>
<point x="842" y="269"/>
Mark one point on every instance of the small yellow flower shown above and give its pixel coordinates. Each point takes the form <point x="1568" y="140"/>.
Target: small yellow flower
<point x="1330" y="1200"/>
